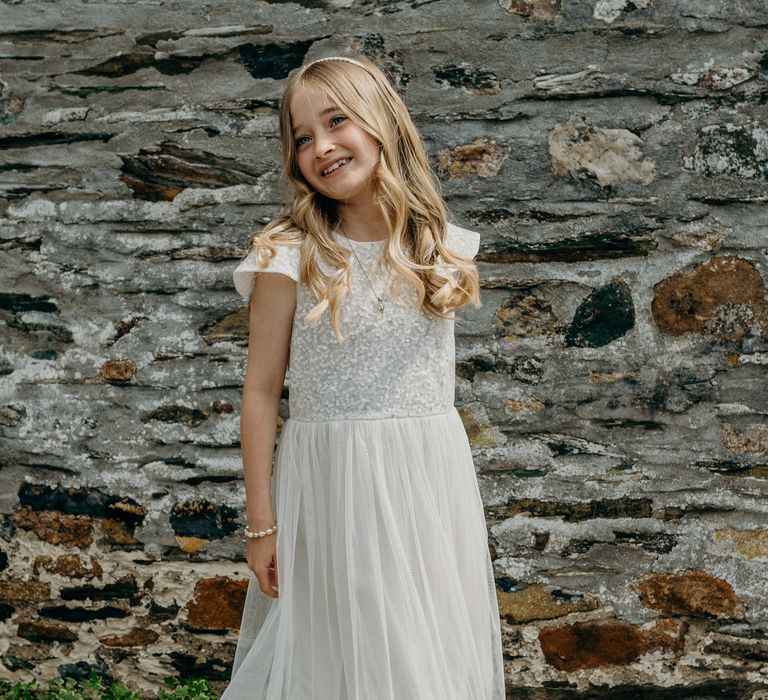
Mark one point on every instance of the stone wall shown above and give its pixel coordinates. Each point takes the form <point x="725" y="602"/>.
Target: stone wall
<point x="614" y="156"/>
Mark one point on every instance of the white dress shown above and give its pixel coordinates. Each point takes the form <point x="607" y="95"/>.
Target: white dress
<point x="386" y="590"/>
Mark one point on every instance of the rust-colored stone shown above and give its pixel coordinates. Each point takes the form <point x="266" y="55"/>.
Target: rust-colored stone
<point x="535" y="602"/>
<point x="691" y="593"/>
<point x="137" y="637"/>
<point x="55" y="527"/>
<point x="217" y="603"/>
<point x="45" y="630"/>
<point x="724" y="297"/>
<point x="128" y="509"/>
<point x="118" y="371"/>
<point x="482" y="158"/>
<point x="69" y="565"/>
<point x="668" y="634"/>
<point x="752" y="440"/>
<point x="190" y="545"/>
<point x="116" y="532"/>
<point x="591" y="644"/>
<point x="25" y="591"/>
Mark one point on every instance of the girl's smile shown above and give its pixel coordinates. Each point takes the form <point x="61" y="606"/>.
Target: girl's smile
<point x="334" y="169"/>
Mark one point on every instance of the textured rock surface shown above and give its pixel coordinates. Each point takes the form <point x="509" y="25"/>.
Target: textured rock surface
<point x="613" y="155"/>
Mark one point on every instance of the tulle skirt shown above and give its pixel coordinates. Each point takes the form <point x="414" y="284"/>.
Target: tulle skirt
<point x="386" y="590"/>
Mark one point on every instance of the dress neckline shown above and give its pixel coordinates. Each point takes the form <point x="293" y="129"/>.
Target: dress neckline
<point x="362" y="243"/>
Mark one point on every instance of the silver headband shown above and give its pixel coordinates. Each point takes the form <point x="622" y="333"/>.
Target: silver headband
<point x="338" y="58"/>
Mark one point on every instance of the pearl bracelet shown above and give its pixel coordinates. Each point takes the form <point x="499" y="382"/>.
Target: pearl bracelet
<point x="262" y="533"/>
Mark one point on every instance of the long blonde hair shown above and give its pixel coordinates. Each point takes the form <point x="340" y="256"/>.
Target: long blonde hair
<point x="408" y="195"/>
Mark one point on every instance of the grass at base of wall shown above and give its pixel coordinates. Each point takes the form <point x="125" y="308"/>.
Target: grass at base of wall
<point x="94" y="689"/>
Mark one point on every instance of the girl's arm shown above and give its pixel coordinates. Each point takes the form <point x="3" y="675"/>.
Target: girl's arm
<point x="273" y="303"/>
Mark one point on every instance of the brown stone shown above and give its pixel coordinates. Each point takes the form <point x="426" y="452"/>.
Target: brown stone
<point x="26" y="655"/>
<point x="190" y="545"/>
<point x="758" y="472"/>
<point x="481" y="158"/>
<point x="479" y="434"/>
<point x="610" y="377"/>
<point x="752" y="440"/>
<point x="161" y="172"/>
<point x="45" y="630"/>
<point x="743" y="651"/>
<point x="733" y="358"/>
<point x="748" y="543"/>
<point x="128" y="509"/>
<point x="24" y="591"/>
<point x="576" y="511"/>
<point x="524" y="406"/>
<point x="116" y="532"/>
<point x="538" y="9"/>
<point x="175" y="413"/>
<point x="118" y="371"/>
<point x="55" y="527"/>
<point x="233" y="328"/>
<point x="69" y="565"/>
<point x="668" y="634"/>
<point x="535" y="602"/>
<point x="591" y="644"/>
<point x="525" y="314"/>
<point x="137" y="637"/>
<point x="724" y="297"/>
<point x="217" y="603"/>
<point x="691" y="593"/>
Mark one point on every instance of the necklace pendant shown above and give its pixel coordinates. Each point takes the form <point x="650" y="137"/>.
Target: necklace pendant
<point x="381" y="305"/>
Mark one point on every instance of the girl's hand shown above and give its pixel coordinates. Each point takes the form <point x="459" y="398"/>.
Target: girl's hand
<point x="262" y="560"/>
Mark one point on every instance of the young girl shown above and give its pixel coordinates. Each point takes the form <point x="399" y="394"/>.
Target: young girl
<point x="370" y="576"/>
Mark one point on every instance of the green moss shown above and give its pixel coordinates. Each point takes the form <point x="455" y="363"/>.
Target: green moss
<point x="94" y="689"/>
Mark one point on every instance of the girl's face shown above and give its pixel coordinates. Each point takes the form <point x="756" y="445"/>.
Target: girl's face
<point x="323" y="136"/>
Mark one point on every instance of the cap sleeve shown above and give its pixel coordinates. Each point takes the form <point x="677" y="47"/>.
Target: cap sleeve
<point x="285" y="261"/>
<point x="462" y="240"/>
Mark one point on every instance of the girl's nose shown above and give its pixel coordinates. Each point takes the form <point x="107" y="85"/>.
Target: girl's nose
<point x="322" y="146"/>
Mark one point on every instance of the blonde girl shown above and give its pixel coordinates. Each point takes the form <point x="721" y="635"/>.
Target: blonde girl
<point x="370" y="575"/>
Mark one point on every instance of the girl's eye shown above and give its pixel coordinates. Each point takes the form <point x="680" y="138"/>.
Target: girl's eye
<point x="299" y="141"/>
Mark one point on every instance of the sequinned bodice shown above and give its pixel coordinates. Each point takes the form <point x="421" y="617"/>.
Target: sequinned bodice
<point x="392" y="363"/>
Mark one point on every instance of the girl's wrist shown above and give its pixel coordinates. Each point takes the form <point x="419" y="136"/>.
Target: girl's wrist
<point x="256" y="520"/>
